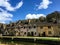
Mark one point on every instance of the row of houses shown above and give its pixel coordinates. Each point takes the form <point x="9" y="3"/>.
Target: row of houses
<point x="35" y="29"/>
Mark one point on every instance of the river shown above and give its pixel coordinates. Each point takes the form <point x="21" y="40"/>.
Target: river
<point x="4" y="42"/>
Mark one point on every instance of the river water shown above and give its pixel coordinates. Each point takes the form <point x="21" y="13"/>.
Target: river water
<point x="4" y="42"/>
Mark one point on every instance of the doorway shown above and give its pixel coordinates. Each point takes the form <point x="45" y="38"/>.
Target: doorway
<point x="32" y="33"/>
<point x="43" y="34"/>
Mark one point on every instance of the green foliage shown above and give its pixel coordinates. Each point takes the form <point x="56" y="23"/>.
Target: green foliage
<point x="42" y="19"/>
<point x="55" y="16"/>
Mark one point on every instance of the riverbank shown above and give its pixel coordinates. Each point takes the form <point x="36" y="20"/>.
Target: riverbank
<point x="44" y="40"/>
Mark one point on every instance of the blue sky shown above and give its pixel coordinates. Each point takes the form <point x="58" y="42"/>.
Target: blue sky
<point x="14" y="10"/>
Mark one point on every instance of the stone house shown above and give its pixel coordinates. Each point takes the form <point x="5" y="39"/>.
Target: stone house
<point x="23" y="30"/>
<point x="32" y="30"/>
<point x="56" y="29"/>
<point x="16" y="32"/>
<point x="46" y="29"/>
<point x="35" y="29"/>
<point x="6" y="33"/>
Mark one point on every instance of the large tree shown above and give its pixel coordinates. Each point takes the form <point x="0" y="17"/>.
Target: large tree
<point x="55" y="16"/>
<point x="42" y="19"/>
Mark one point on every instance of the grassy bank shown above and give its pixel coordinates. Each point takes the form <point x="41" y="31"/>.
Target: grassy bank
<point x="42" y="38"/>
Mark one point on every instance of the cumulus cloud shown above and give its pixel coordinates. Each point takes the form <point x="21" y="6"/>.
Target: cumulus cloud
<point x="34" y="16"/>
<point x="5" y="16"/>
<point x="7" y="5"/>
<point x="19" y="5"/>
<point x="44" y="4"/>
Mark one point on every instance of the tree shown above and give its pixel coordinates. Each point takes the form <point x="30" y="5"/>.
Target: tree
<point x="54" y="20"/>
<point x="31" y="21"/>
<point x="42" y="19"/>
<point x="53" y="16"/>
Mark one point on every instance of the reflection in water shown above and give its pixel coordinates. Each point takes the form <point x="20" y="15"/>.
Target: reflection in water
<point x="4" y="42"/>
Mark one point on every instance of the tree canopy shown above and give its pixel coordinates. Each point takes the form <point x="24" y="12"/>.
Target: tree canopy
<point x="55" y="16"/>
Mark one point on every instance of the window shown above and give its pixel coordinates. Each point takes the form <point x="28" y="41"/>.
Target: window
<point x="24" y="27"/>
<point x="49" y="26"/>
<point x="35" y="33"/>
<point x="34" y="26"/>
<point x="29" y="27"/>
<point x="41" y="27"/>
<point x="24" y="32"/>
<point x="28" y="34"/>
<point x="49" y="32"/>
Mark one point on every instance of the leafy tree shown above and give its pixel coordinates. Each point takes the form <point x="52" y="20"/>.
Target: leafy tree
<point x="54" y="20"/>
<point x="32" y="21"/>
<point x="42" y="19"/>
<point x="53" y="16"/>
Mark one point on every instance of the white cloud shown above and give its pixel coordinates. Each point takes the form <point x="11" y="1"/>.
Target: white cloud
<point x="19" y="5"/>
<point x="5" y="16"/>
<point x="7" y="5"/>
<point x="44" y="4"/>
<point x="34" y="16"/>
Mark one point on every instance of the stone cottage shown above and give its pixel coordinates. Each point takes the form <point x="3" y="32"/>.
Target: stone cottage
<point x="23" y="30"/>
<point x="32" y="30"/>
<point x="48" y="29"/>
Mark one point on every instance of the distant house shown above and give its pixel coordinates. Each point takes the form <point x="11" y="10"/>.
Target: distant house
<point x="32" y="30"/>
<point x="23" y="30"/>
<point x="48" y="29"/>
<point x="16" y="32"/>
<point x="2" y="28"/>
<point x="6" y="33"/>
<point x="56" y="29"/>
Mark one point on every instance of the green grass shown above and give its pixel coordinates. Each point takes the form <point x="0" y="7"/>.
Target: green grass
<point x="39" y="38"/>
